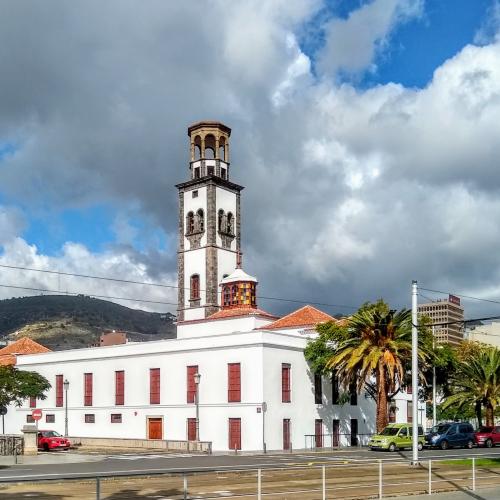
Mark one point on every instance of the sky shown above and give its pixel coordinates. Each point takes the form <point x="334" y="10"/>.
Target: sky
<point x="366" y="134"/>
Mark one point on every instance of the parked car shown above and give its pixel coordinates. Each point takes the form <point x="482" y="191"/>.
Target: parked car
<point x="396" y="436"/>
<point x="52" y="440"/>
<point x="487" y="436"/>
<point x="450" y="434"/>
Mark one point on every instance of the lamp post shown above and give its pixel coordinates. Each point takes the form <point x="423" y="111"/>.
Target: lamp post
<point x="197" y="377"/>
<point x="414" y="370"/>
<point x="66" y="387"/>
<point x="434" y="384"/>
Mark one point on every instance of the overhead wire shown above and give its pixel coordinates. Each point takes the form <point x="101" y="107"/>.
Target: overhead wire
<point x="121" y="280"/>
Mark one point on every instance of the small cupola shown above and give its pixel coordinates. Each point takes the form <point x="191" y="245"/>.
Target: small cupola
<point x="239" y="289"/>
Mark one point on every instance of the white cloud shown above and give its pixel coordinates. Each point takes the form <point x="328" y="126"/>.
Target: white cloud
<point x="350" y="193"/>
<point x="490" y="29"/>
<point x="351" y="44"/>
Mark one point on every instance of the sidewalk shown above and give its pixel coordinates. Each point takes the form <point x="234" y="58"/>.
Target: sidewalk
<point x="479" y="494"/>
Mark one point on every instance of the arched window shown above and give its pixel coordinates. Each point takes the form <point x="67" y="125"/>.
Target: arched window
<point x="201" y="220"/>
<point x="195" y="287"/>
<point x="190" y="223"/>
<point x="220" y="221"/>
<point x="197" y="152"/>
<point x="230" y="223"/>
<point x="209" y="153"/>
<point x="222" y="149"/>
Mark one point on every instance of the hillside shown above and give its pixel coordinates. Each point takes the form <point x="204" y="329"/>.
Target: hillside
<point x="66" y="322"/>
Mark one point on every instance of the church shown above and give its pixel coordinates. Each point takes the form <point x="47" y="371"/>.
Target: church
<point x="235" y="376"/>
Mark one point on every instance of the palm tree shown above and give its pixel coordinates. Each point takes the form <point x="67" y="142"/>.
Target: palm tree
<point x="377" y="347"/>
<point x="476" y="383"/>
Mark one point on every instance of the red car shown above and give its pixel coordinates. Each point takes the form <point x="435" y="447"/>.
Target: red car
<point x="52" y="440"/>
<point x="487" y="436"/>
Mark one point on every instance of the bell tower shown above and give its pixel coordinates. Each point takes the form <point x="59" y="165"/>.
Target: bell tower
<point x="209" y="222"/>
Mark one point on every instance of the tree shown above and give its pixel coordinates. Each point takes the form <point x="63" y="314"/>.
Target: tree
<point x="372" y="349"/>
<point x="476" y="382"/>
<point x="17" y="385"/>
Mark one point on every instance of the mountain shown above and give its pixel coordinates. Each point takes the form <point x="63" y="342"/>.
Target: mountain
<point x="68" y="322"/>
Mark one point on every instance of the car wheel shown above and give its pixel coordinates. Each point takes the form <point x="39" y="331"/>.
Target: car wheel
<point x="46" y="447"/>
<point x="444" y="445"/>
<point x="489" y="443"/>
<point x="469" y="444"/>
<point x="392" y="447"/>
<point x="420" y="446"/>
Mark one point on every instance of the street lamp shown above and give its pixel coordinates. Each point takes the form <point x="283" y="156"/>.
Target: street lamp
<point x="197" y="377"/>
<point x="66" y="387"/>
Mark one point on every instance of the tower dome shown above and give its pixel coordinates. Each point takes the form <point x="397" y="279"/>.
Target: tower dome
<point x="239" y="290"/>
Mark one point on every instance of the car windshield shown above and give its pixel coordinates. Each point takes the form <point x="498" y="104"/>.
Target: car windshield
<point x="51" y="434"/>
<point x="390" y="431"/>
<point x="485" y="429"/>
<point x="439" y="429"/>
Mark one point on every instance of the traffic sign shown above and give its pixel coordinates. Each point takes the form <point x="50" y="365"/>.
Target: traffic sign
<point x="36" y="414"/>
<point x="3" y="410"/>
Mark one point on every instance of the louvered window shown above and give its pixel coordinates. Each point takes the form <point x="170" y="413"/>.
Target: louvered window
<point x="87" y="383"/>
<point x="234" y="383"/>
<point x="154" y="386"/>
<point x="120" y="387"/>
<point x="191" y="386"/>
<point x="286" y="396"/>
<point x="59" y="390"/>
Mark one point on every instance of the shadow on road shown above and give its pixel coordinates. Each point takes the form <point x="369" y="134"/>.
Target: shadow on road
<point x="30" y="494"/>
<point x="133" y="494"/>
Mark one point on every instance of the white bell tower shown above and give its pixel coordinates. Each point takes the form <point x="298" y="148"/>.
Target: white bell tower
<point x="209" y="222"/>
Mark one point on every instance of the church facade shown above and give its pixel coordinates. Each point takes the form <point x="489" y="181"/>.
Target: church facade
<point x="235" y="375"/>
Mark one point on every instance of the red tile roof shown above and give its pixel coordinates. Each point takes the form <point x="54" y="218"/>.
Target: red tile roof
<point x="305" y="316"/>
<point x="22" y="346"/>
<point x="241" y="311"/>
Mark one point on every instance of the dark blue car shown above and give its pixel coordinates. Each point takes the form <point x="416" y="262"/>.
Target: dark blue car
<point x="449" y="435"/>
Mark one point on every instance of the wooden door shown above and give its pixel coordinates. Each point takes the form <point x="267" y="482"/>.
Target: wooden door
<point x="354" y="432"/>
<point x="286" y="434"/>
<point x="335" y="433"/>
<point x="318" y="433"/>
<point x="155" y="428"/>
<point x="191" y="424"/>
<point x="235" y="434"/>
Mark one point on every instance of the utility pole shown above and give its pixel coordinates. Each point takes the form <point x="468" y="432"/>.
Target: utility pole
<point x="414" y="370"/>
<point x="434" y="409"/>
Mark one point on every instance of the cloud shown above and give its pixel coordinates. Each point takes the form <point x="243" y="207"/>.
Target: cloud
<point x="350" y="193"/>
<point x="490" y="29"/>
<point x="351" y="44"/>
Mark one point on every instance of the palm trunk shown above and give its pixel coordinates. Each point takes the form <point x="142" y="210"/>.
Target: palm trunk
<point x="382" y="410"/>
<point x="479" y="415"/>
<point x="490" y="419"/>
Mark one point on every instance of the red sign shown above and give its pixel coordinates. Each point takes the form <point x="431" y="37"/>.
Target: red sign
<point x="454" y="299"/>
<point x="36" y="414"/>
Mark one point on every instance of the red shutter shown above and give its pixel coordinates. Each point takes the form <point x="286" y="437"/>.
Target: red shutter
<point x="191" y="386"/>
<point x="191" y="423"/>
<point x="87" y="389"/>
<point x="154" y="386"/>
<point x="235" y="434"/>
<point x="120" y="388"/>
<point x="234" y="383"/>
<point x="59" y="390"/>
<point x="32" y="402"/>
<point x="286" y="434"/>
<point x="285" y="383"/>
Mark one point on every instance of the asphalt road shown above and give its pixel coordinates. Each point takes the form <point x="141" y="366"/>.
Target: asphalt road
<point x="157" y="463"/>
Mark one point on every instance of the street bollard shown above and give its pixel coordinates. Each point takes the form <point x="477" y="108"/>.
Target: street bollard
<point x="185" y="487"/>
<point x="324" y="482"/>
<point x="430" y="477"/>
<point x="380" y="478"/>
<point x="97" y="488"/>
<point x="473" y="474"/>
<point x="259" y="484"/>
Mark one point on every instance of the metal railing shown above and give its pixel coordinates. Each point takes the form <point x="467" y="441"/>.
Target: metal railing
<point x="332" y="441"/>
<point x="361" y="478"/>
<point x="11" y="445"/>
